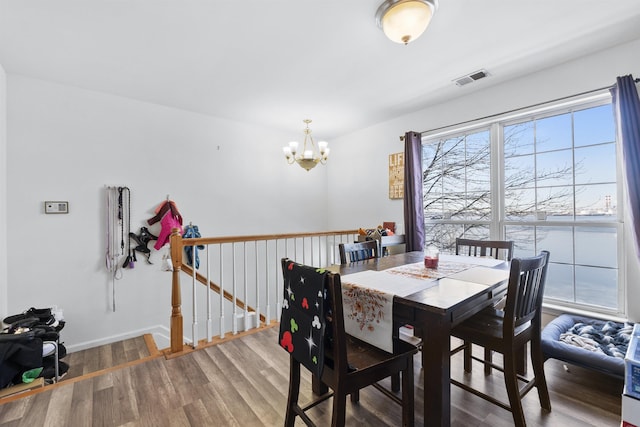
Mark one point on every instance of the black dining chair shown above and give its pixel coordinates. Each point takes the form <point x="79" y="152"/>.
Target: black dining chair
<point x="312" y="331"/>
<point x="506" y="331"/>
<point x="498" y="249"/>
<point x="358" y="251"/>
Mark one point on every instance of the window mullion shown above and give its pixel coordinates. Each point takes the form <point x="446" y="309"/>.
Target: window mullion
<point x="497" y="182"/>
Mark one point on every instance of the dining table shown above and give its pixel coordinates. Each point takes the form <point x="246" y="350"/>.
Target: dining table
<point x="449" y="296"/>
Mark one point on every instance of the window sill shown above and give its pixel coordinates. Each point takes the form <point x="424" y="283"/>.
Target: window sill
<point x="556" y="310"/>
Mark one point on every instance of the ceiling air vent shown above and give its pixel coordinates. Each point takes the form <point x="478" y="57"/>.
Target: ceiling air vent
<point x="470" y="78"/>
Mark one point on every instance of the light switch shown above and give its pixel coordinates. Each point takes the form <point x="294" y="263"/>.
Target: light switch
<point x="56" y="207"/>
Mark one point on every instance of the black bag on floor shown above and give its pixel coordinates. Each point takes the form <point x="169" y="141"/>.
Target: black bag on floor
<point x="18" y="355"/>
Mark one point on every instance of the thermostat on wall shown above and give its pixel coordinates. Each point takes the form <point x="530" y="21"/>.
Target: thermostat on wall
<point x="56" y="207"/>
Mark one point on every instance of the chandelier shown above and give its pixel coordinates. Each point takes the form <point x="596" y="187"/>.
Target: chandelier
<point x="403" y="21"/>
<point x="310" y="155"/>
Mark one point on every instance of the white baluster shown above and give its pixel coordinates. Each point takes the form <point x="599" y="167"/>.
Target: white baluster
<point x="209" y="291"/>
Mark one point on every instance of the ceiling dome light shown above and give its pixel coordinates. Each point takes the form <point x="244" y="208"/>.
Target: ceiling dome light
<point x="403" y="21"/>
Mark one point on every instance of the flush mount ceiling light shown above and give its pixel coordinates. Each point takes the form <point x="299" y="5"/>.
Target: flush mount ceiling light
<point x="403" y="21"/>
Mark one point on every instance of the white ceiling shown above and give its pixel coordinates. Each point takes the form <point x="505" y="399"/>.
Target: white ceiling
<point x="276" y="62"/>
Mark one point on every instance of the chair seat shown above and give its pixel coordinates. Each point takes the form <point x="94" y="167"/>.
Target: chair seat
<point x="362" y="356"/>
<point x="369" y="364"/>
<point x="486" y="329"/>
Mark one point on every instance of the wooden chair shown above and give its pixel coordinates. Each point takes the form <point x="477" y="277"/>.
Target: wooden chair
<point x="342" y="363"/>
<point x="510" y="330"/>
<point x="358" y="251"/>
<point x="492" y="248"/>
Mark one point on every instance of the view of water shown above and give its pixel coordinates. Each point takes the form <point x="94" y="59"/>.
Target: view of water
<point x="584" y="255"/>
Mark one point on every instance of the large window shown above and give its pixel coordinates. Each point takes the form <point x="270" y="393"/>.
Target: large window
<point x="546" y="181"/>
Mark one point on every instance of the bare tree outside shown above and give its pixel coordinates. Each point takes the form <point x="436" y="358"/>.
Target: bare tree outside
<point x="456" y="185"/>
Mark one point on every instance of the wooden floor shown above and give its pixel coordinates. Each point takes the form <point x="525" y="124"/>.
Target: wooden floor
<point x="243" y="382"/>
<point x="106" y="356"/>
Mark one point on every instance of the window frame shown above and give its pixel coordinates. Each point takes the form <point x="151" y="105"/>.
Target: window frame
<point x="498" y="223"/>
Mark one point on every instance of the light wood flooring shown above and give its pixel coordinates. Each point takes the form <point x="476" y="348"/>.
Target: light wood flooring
<point x="106" y="356"/>
<point x="244" y="382"/>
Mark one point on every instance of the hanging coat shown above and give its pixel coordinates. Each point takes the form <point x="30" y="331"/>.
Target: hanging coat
<point x="192" y="232"/>
<point x="169" y="217"/>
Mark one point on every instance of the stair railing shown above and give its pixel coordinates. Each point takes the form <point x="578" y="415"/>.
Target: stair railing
<point x="247" y="270"/>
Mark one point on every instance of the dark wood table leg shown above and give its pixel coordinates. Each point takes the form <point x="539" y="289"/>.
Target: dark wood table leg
<point x="437" y="370"/>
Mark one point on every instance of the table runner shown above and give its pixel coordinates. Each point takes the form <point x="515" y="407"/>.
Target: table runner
<point x="367" y="300"/>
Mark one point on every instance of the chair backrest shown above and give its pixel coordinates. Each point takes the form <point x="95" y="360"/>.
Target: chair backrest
<point x="358" y="251"/>
<point x="525" y="291"/>
<point x="492" y="248"/>
<point x="312" y="322"/>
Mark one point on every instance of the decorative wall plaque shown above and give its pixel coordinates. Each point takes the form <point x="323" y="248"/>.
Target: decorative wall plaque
<point x="396" y="175"/>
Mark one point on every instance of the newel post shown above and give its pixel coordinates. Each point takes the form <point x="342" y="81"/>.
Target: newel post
<point x="176" y="299"/>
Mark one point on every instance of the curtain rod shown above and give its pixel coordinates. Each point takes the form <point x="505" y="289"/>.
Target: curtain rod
<point x="519" y="109"/>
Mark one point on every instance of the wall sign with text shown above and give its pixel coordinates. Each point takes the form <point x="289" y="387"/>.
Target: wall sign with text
<point x="396" y="176"/>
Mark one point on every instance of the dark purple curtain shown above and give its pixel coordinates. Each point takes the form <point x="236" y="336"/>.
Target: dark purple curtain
<point x="626" y="106"/>
<point x="413" y="210"/>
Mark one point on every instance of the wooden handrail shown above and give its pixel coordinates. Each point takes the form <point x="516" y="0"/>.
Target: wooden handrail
<point x="261" y="237"/>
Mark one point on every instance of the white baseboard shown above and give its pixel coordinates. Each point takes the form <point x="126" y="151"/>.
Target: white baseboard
<point x="160" y="334"/>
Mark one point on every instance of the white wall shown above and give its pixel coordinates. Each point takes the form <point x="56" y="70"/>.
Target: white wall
<point x="67" y="144"/>
<point x="3" y="190"/>
<point x="64" y="143"/>
<point x="358" y="177"/>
